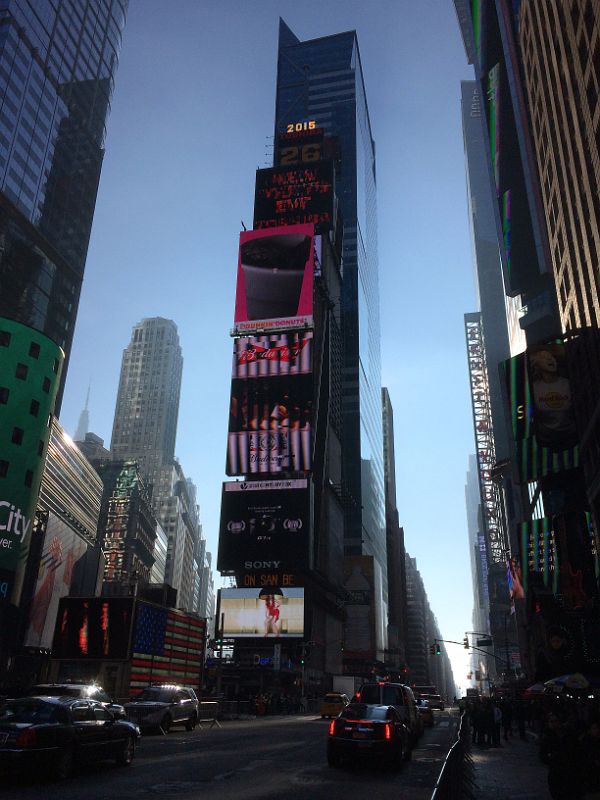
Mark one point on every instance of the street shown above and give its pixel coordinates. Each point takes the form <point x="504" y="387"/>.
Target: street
<point x="258" y="758"/>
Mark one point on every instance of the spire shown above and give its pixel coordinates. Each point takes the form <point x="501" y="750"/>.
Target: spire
<point x="84" y="419"/>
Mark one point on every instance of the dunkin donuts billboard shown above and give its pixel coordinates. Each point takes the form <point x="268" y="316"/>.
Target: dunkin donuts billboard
<point x="271" y="413"/>
<point x="264" y="524"/>
<point x="274" y="289"/>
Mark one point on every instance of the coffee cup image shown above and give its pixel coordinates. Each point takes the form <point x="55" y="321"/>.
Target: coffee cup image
<point x="273" y="268"/>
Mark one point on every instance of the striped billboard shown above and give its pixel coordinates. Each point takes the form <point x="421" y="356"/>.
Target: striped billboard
<point x="168" y="647"/>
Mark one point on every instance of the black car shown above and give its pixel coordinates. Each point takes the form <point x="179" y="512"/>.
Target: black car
<point x="85" y="691"/>
<point x="52" y="734"/>
<point x="399" y="696"/>
<point x="368" y="731"/>
<point x="163" y="705"/>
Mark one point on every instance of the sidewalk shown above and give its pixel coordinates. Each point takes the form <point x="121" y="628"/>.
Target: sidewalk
<point x="512" y="771"/>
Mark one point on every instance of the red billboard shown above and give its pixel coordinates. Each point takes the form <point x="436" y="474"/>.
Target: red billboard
<point x="275" y="279"/>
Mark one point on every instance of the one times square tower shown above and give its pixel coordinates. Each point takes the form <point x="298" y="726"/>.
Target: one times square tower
<point x="322" y="79"/>
<point x="57" y="65"/>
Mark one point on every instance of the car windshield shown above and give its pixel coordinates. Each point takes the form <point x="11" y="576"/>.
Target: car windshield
<point x="27" y="710"/>
<point x="155" y="694"/>
<point x="364" y="711"/>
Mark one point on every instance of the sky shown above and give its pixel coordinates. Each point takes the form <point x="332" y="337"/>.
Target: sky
<point x="191" y="120"/>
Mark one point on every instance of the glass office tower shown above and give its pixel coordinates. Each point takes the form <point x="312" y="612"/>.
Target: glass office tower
<point x="57" y="64"/>
<point x="321" y="79"/>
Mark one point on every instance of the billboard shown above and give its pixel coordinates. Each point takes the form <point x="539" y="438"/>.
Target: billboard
<point x="93" y="628"/>
<point x="271" y="407"/>
<point x="359" y="582"/>
<point x="553" y="418"/>
<point x="30" y="366"/>
<point x="274" y="289"/>
<point x="529" y="418"/>
<point x="267" y="613"/>
<point x="293" y="195"/>
<point x="62" y="548"/>
<point x="264" y="525"/>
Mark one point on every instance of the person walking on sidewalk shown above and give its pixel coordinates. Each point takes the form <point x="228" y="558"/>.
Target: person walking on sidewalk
<point x="562" y="752"/>
<point x="507" y="716"/>
<point x="497" y="726"/>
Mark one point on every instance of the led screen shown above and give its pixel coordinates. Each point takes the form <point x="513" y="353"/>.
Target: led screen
<point x="267" y="613"/>
<point x="274" y="288"/>
<point x="264" y="525"/>
<point x="97" y="627"/>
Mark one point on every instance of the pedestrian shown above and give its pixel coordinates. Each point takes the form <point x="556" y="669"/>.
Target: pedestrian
<point x="507" y="716"/>
<point x="563" y="754"/>
<point x="497" y="725"/>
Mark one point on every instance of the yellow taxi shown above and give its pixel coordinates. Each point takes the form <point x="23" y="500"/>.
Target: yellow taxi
<point x="333" y="704"/>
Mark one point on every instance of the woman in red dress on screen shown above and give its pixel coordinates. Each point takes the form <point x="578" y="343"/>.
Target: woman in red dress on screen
<point x="273" y="599"/>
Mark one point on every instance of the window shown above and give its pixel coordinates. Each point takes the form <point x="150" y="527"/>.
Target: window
<point x="4" y="338"/>
<point x="40" y="447"/>
<point x="28" y="478"/>
<point x="81" y="712"/>
<point x="34" y="350"/>
<point x="55" y="366"/>
<point x="17" y="436"/>
<point x="34" y="408"/>
<point x="46" y="385"/>
<point x="21" y="371"/>
<point x="4" y="393"/>
<point x="3" y="468"/>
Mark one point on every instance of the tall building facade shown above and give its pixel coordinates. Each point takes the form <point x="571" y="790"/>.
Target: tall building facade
<point x="145" y="422"/>
<point x="322" y="80"/>
<point x="57" y="69"/>
<point x="58" y="66"/>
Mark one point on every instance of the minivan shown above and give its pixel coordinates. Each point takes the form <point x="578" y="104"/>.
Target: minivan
<point x="383" y="693"/>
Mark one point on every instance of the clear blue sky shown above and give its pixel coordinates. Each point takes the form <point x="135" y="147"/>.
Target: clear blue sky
<point x="191" y="119"/>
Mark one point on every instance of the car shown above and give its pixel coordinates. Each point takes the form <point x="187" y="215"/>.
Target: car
<point x="85" y="691"/>
<point x="164" y="705"/>
<point x="425" y="711"/>
<point x="386" y="693"/>
<point x="332" y="704"/>
<point x="49" y="735"/>
<point x="363" y="730"/>
<point x="435" y="701"/>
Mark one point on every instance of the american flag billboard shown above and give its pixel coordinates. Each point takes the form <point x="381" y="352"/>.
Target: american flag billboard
<point x="168" y="647"/>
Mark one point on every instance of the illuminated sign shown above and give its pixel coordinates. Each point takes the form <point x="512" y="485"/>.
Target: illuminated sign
<point x="274" y="289"/>
<point x="273" y="612"/>
<point x="265" y="523"/>
<point x="295" y="195"/>
<point x="262" y="579"/>
<point x="296" y="127"/>
<point x="95" y="628"/>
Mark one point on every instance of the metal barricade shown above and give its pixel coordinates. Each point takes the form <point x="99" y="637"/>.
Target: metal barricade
<point x="456" y="780"/>
<point x="208" y="712"/>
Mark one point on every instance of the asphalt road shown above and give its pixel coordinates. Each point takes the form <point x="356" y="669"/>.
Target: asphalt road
<point x="258" y="759"/>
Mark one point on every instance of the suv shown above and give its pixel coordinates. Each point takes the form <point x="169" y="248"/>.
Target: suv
<point x="397" y="695"/>
<point x="85" y="691"/>
<point x="164" y="705"/>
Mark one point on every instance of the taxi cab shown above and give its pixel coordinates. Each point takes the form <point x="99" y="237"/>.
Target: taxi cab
<point x="333" y="704"/>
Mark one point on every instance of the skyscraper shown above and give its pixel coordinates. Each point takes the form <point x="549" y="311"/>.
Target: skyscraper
<point x="145" y="423"/>
<point x="58" y="64"/>
<point x="321" y="79"/>
<point x="57" y="68"/>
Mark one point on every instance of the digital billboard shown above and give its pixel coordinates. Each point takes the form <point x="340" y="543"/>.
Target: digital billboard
<point x="292" y="195"/>
<point x="93" y="628"/>
<point x="535" y="459"/>
<point x="266" y="613"/>
<point x="359" y="582"/>
<point x="553" y="417"/>
<point x="274" y="289"/>
<point x="271" y="406"/>
<point x="264" y="525"/>
<point x="30" y="367"/>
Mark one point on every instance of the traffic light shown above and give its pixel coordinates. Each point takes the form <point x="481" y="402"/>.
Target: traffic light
<point x="466" y="642"/>
<point x="438" y="650"/>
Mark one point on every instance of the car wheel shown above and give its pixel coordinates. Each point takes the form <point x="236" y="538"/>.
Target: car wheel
<point x="64" y="763"/>
<point x="125" y="757"/>
<point x="166" y="723"/>
<point x="191" y="723"/>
